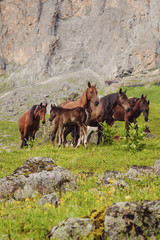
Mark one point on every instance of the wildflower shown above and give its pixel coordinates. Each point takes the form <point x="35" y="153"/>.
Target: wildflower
<point x="109" y="203"/>
<point x="27" y="200"/>
<point x="18" y="202"/>
<point x="62" y="201"/>
<point x="92" y="189"/>
<point x="86" y="200"/>
<point x="47" y="205"/>
<point x="34" y="200"/>
<point x="127" y="197"/>
<point x="109" y="192"/>
<point x="97" y="201"/>
<point x="84" y="175"/>
<point x="29" y="206"/>
<point x="85" y="193"/>
<point x="100" y="198"/>
<point x="111" y="199"/>
<point x="111" y="180"/>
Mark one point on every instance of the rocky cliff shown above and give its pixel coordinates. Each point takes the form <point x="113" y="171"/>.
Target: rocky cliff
<point x="98" y="39"/>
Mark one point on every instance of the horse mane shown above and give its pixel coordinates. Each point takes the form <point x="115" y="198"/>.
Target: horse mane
<point x="32" y="112"/>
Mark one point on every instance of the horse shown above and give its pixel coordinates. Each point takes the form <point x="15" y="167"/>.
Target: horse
<point x="87" y="97"/>
<point x="138" y="105"/>
<point x="105" y="109"/>
<point x="29" y="122"/>
<point x="64" y="117"/>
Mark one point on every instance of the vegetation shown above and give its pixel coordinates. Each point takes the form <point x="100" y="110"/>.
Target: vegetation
<point x="27" y="220"/>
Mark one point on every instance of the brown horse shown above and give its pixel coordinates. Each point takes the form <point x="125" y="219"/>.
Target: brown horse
<point x="105" y="109"/>
<point x="87" y="97"/>
<point x="29" y="122"/>
<point x="64" y="117"/>
<point x="138" y="105"/>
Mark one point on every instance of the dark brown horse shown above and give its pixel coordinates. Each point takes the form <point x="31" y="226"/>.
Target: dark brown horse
<point x="105" y="109"/>
<point x="138" y="105"/>
<point x="64" y="117"/>
<point x="29" y="122"/>
<point x="88" y="96"/>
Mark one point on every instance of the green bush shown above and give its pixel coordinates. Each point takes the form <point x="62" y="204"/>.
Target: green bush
<point x="108" y="133"/>
<point x="134" y="142"/>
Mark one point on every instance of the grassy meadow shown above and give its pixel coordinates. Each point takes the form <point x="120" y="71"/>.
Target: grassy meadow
<point x="27" y="220"/>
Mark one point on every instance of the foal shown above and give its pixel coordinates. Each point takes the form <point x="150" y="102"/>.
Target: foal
<point x="64" y="117"/>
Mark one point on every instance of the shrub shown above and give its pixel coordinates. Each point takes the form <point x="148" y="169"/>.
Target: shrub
<point x="133" y="142"/>
<point x="108" y="133"/>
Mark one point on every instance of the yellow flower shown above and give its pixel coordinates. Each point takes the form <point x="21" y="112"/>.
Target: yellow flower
<point x="109" y="192"/>
<point x="108" y="203"/>
<point x="34" y="200"/>
<point x="111" y="181"/>
<point x="111" y="199"/>
<point x="101" y="198"/>
<point x="92" y="189"/>
<point x="85" y="193"/>
<point x="62" y="201"/>
<point x="86" y="200"/>
<point x="27" y="200"/>
<point x="18" y="202"/>
<point x="29" y="206"/>
<point x="97" y="201"/>
<point x="84" y="175"/>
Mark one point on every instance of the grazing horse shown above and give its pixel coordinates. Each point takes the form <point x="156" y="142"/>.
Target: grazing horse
<point x="87" y="97"/>
<point x="138" y="105"/>
<point x="29" y="122"/>
<point x="64" y="117"/>
<point x="104" y="110"/>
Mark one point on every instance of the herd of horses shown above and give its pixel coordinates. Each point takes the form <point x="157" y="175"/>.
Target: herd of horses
<point x="88" y="110"/>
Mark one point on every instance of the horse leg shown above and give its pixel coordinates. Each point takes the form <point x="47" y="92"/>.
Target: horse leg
<point x="99" y="134"/>
<point x="80" y="136"/>
<point x="127" y="127"/>
<point x="75" y="134"/>
<point x="54" y="132"/>
<point x="60" y="129"/>
<point x="85" y="135"/>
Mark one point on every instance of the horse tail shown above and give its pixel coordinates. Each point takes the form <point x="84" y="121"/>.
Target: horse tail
<point x="32" y="113"/>
<point x="88" y="116"/>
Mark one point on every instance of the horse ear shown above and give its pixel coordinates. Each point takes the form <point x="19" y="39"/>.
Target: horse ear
<point x="40" y="105"/>
<point x="120" y="90"/>
<point x="148" y="102"/>
<point x="89" y="84"/>
<point x="45" y="105"/>
<point x="125" y="91"/>
<point x="51" y="105"/>
<point x="141" y="96"/>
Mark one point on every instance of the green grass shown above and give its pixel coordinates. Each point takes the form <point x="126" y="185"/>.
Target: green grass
<point x="27" y="220"/>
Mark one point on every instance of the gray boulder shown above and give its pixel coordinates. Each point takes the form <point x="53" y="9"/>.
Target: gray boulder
<point x="132" y="220"/>
<point x="72" y="228"/>
<point x="37" y="175"/>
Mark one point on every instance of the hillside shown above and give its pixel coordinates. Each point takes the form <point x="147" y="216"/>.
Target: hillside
<point x="51" y="48"/>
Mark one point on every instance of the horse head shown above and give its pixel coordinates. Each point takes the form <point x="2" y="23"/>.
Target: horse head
<point x="40" y="112"/>
<point x="91" y="94"/>
<point x="123" y="100"/>
<point x="52" y="112"/>
<point x="144" y="107"/>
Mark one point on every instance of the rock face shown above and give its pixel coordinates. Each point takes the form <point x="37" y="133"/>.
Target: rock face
<point x="98" y="38"/>
<point x="37" y="175"/>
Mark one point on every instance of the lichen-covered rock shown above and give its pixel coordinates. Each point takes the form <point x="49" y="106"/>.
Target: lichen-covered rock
<point x="37" y="175"/>
<point x="133" y="220"/>
<point x="49" y="198"/>
<point x="138" y="171"/>
<point x="112" y="178"/>
<point x="157" y="167"/>
<point x="72" y="228"/>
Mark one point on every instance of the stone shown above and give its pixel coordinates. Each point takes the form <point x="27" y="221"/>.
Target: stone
<point x="72" y="228"/>
<point x="132" y="220"/>
<point x="157" y="167"/>
<point x="37" y="175"/>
